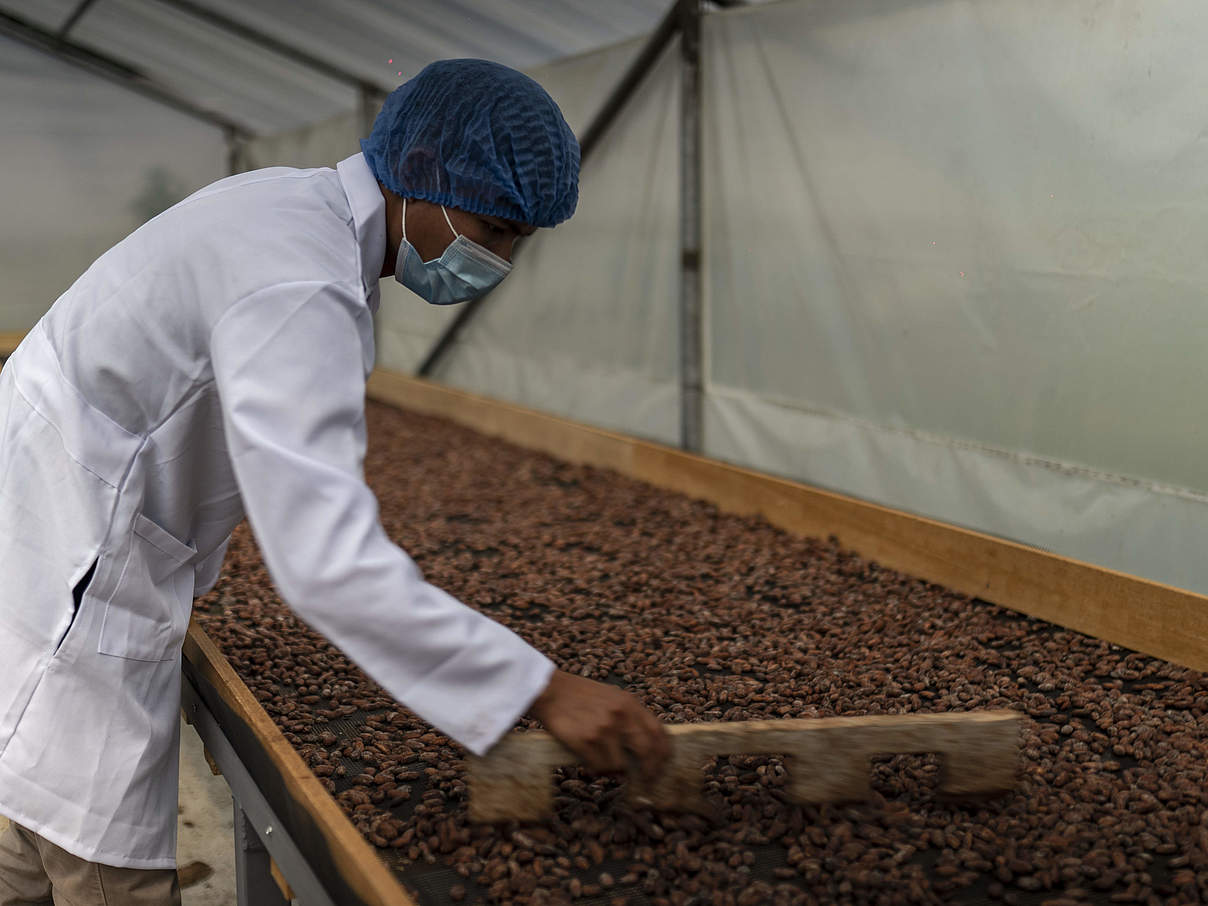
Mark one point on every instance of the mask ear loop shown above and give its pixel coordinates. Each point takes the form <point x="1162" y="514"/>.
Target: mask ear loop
<point x="404" y="220"/>
<point x="449" y="222"/>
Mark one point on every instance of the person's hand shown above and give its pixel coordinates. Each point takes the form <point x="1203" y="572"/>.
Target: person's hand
<point x="603" y="725"/>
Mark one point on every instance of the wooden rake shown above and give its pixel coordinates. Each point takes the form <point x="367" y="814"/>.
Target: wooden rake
<point x="827" y="760"/>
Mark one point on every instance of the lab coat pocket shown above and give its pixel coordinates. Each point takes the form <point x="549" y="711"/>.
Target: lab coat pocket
<point x="147" y="614"/>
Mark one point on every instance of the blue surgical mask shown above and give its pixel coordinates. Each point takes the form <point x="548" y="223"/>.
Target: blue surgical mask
<point x="464" y="271"/>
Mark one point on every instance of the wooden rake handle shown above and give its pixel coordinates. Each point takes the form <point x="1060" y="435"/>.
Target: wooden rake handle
<point x="827" y="760"/>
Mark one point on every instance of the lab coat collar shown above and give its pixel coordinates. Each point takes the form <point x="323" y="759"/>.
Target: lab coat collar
<point x="368" y="220"/>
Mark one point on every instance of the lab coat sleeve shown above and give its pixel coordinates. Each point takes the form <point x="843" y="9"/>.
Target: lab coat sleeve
<point x="288" y="367"/>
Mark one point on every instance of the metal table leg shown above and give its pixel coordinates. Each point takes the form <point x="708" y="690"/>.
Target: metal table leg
<point x="261" y="840"/>
<point x="254" y="883"/>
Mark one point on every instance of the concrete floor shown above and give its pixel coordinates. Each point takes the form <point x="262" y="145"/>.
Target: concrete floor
<point x="205" y="826"/>
<point x="206" y="829"/>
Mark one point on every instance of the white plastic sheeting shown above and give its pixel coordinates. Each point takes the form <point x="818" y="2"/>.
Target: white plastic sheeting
<point x="983" y="220"/>
<point x="956" y="264"/>
<point x="383" y="42"/>
<point x="322" y="144"/>
<point x="83" y="159"/>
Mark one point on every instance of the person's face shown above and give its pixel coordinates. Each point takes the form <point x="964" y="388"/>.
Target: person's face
<point x="430" y="234"/>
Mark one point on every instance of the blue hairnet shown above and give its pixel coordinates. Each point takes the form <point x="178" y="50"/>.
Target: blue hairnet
<point x="478" y="136"/>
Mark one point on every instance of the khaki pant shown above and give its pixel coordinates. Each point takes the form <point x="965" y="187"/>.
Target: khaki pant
<point x="35" y="872"/>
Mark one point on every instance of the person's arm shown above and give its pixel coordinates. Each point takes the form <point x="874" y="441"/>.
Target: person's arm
<point x="289" y="371"/>
<point x="288" y="366"/>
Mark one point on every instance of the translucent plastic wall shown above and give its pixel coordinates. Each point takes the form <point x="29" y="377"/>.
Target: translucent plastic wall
<point x="84" y="163"/>
<point x="956" y="264"/>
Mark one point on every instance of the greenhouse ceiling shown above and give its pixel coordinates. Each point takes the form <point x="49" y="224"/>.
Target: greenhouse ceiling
<point x="219" y="55"/>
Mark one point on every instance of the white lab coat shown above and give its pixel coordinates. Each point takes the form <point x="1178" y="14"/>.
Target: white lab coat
<point x="213" y="362"/>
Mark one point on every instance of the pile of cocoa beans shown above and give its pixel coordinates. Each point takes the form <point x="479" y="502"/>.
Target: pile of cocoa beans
<point x="708" y="616"/>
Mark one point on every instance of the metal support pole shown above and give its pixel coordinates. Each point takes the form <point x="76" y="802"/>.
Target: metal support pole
<point x="76" y="15"/>
<point x="369" y="101"/>
<point x="234" y="144"/>
<point x="625" y="88"/>
<point x="254" y="884"/>
<point x="445" y="341"/>
<point x="690" y="328"/>
<point x="107" y="67"/>
<point x="263" y="39"/>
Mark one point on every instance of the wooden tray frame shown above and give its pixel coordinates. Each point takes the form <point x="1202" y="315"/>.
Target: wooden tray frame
<point x="1156" y="619"/>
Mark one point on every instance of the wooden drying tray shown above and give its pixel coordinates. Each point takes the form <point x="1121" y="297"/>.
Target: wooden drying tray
<point x="1156" y="619"/>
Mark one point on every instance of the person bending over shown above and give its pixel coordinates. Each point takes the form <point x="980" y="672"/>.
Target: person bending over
<point x="212" y="365"/>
